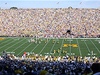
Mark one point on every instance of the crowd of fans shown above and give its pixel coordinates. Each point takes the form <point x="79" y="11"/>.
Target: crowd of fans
<point x="68" y="65"/>
<point x="50" y="22"/>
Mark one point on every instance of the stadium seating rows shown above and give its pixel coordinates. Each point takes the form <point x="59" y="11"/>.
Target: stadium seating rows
<point x="50" y="22"/>
<point x="70" y="65"/>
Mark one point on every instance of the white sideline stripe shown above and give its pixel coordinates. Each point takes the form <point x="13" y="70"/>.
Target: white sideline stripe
<point x="83" y="40"/>
<point x="87" y="46"/>
<point x="7" y="44"/>
<point x="95" y="46"/>
<point x="23" y="49"/>
<point x="19" y="46"/>
<point x="75" y="38"/>
<point x="5" y="41"/>
<point x="79" y="47"/>
<point x="13" y="44"/>
<point x="44" y="46"/>
<point x="61" y="46"/>
<point x="52" y="47"/>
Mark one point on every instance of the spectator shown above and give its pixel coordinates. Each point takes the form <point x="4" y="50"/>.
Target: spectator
<point x="50" y="22"/>
<point x="96" y="68"/>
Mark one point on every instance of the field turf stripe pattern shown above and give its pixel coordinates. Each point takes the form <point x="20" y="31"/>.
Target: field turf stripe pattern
<point x="56" y="47"/>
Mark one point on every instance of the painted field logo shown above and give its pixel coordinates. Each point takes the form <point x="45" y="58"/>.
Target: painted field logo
<point x="65" y="45"/>
<point x="2" y="38"/>
<point x="68" y="45"/>
<point x="74" y="45"/>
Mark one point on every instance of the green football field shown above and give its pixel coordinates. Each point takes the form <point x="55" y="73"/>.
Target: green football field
<point x="56" y="47"/>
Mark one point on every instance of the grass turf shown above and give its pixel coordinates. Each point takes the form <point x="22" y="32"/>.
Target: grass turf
<point x="56" y="47"/>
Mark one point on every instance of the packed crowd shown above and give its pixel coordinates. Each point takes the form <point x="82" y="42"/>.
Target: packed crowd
<point x="69" y="65"/>
<point x="50" y="22"/>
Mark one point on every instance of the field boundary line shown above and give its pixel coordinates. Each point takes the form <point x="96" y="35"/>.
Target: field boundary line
<point x="95" y="46"/>
<point x="44" y="46"/>
<point x="77" y="38"/>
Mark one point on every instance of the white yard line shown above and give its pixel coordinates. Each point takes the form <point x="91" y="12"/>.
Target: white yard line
<point x="19" y="46"/>
<point x="34" y="47"/>
<point x="13" y="45"/>
<point x="4" y="42"/>
<point x="95" y="46"/>
<point x="79" y="47"/>
<point x="44" y="46"/>
<point x="7" y="44"/>
<point x="52" y="47"/>
<point x="23" y="49"/>
<point x="70" y="46"/>
<point x="87" y="46"/>
<point x="61" y="46"/>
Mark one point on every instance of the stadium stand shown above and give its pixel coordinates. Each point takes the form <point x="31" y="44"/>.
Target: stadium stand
<point x="50" y="22"/>
<point x="68" y="66"/>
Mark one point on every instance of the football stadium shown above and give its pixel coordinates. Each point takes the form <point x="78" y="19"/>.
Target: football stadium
<point x="49" y="41"/>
